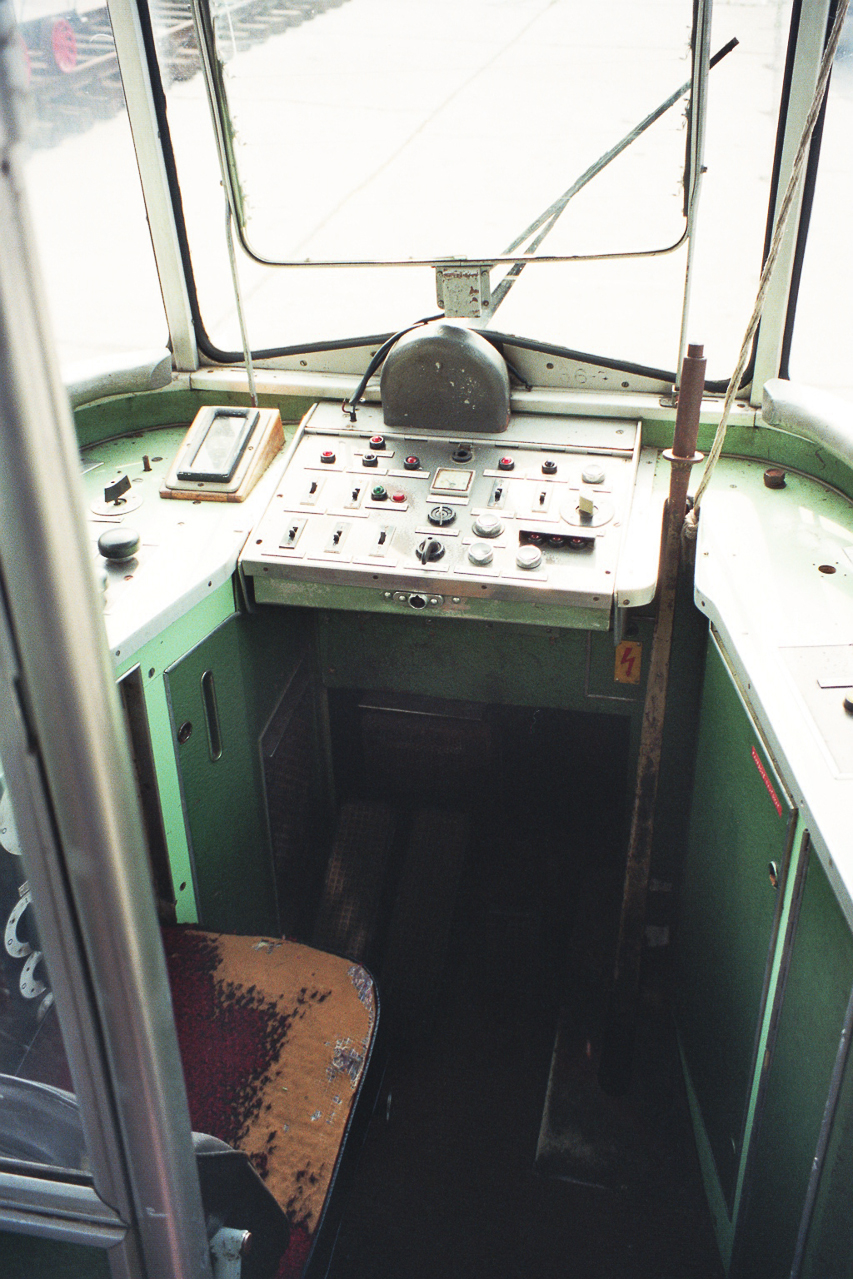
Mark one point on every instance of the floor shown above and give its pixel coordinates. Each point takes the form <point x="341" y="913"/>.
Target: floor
<point x="449" y="1182"/>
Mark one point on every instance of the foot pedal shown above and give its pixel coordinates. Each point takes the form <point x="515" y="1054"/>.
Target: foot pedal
<point x="419" y="932"/>
<point x="352" y="896"/>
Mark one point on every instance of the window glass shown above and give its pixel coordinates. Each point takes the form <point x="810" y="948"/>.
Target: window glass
<point x="39" y="1121"/>
<point x="823" y="329"/>
<point x="743" y="108"/>
<point x="83" y="187"/>
<point x="337" y="176"/>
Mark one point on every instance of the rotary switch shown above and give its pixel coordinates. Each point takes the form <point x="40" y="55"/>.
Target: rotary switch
<point x="429" y="550"/>
<point x="487" y="525"/>
<point x="441" y="515"/>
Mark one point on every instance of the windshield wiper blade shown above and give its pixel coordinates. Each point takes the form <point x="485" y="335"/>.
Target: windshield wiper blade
<point x="546" y="220"/>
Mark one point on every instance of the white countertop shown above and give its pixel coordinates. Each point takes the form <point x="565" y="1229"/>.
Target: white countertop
<point x="188" y="549"/>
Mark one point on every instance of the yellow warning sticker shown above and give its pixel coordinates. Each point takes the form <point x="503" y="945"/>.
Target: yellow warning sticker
<point x="629" y="661"/>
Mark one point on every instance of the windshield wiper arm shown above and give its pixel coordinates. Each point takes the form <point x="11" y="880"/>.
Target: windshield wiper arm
<point x="547" y="220"/>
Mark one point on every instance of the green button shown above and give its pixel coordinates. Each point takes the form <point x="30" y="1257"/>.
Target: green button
<point x="379" y="493"/>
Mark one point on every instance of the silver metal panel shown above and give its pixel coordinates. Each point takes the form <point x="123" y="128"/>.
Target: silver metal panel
<point x="349" y="512"/>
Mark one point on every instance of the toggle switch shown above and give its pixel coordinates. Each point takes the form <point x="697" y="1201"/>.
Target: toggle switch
<point x="337" y="538"/>
<point x="311" y="493"/>
<point x="292" y="533"/>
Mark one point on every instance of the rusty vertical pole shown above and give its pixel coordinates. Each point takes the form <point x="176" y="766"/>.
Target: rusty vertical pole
<point x="614" y="1071"/>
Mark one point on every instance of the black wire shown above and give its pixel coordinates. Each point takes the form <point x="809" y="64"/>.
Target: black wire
<point x="352" y="404"/>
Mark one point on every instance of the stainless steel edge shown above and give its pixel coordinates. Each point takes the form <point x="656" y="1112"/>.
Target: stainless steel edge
<point x="81" y="771"/>
<point x="155" y="186"/>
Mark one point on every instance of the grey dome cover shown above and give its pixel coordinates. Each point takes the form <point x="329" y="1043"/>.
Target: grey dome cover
<point x="445" y="377"/>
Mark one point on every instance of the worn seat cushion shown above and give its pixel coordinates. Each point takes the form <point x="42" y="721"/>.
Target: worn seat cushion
<point x="275" y="1038"/>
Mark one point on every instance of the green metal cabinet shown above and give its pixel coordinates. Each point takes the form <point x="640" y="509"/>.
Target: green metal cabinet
<point x="810" y="1022"/>
<point x="222" y="695"/>
<point x="741" y="822"/>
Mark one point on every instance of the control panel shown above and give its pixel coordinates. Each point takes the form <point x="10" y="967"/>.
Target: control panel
<point x="436" y="523"/>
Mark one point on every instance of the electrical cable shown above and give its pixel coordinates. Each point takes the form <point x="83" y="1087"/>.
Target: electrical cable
<point x="351" y="405"/>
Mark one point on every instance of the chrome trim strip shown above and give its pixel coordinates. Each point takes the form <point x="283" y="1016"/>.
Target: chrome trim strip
<point x="71" y="782"/>
<point x="810" y="43"/>
<point x="127" y="33"/>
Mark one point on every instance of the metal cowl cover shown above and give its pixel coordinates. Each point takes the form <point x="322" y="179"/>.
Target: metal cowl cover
<point x="445" y="377"/>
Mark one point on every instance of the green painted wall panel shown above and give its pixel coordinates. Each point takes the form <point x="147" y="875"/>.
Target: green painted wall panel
<point x="474" y="661"/>
<point x="728" y="912"/>
<point x="103" y="419"/>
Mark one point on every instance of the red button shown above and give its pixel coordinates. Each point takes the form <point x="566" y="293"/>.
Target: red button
<point x="506" y="463"/>
<point x="327" y="456"/>
<point x="398" y="497"/>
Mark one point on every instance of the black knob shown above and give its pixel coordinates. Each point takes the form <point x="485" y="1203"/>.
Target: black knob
<point x="369" y="459"/>
<point x="428" y="550"/>
<point x="441" y="515"/>
<point x="549" y="467"/>
<point x="119" y="543"/>
<point x="462" y="454"/>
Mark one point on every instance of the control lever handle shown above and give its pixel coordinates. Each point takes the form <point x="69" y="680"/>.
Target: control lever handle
<point x="429" y="549"/>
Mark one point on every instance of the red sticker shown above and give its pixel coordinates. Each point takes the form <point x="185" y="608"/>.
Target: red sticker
<point x="767" y="782"/>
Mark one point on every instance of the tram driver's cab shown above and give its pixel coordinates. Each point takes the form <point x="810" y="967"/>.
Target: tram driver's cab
<point x="397" y="763"/>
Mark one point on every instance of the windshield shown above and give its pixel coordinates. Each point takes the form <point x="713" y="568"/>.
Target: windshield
<point x="417" y="129"/>
<point x="404" y="131"/>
